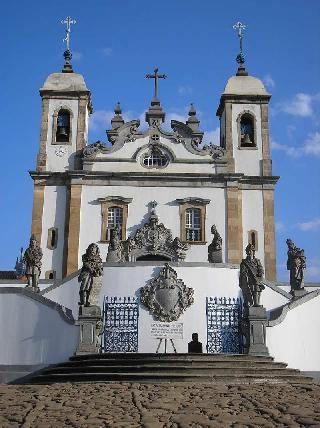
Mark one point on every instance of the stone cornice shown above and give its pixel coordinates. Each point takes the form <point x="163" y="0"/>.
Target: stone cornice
<point x="153" y="179"/>
<point x="242" y="99"/>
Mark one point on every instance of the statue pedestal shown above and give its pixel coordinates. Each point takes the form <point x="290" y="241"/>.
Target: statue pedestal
<point x="89" y="317"/>
<point x="215" y="256"/>
<point x="298" y="293"/>
<point x="256" y="317"/>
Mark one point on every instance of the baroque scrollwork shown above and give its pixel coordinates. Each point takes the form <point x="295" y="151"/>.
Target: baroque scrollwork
<point x="91" y="150"/>
<point x="166" y="296"/>
<point x="216" y="152"/>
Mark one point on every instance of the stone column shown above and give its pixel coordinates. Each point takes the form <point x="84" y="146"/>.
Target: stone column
<point x="255" y="320"/>
<point x="234" y="225"/>
<point x="72" y="229"/>
<point x="90" y="323"/>
<point x="269" y="235"/>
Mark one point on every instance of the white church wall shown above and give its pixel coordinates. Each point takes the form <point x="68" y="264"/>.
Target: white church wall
<point x="206" y="281"/>
<point x="54" y="208"/>
<point x="33" y="333"/>
<point x="271" y="299"/>
<point x="247" y="160"/>
<point x="252" y="219"/>
<point x="66" y="294"/>
<point x="296" y="339"/>
<point x="167" y="211"/>
<point x="60" y="156"/>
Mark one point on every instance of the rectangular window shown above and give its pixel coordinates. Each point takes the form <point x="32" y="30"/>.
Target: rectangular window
<point x="193" y="224"/>
<point x="115" y="217"/>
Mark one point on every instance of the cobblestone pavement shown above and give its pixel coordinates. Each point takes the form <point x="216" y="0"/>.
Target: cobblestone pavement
<point x="161" y="405"/>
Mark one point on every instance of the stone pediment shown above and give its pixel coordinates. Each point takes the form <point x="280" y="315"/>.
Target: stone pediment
<point x="187" y="134"/>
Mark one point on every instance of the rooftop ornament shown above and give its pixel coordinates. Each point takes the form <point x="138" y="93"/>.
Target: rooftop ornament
<point x="155" y="116"/>
<point x="240" y="28"/>
<point x="67" y="68"/>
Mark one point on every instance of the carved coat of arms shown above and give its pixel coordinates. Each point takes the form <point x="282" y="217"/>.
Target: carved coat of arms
<point x="166" y="296"/>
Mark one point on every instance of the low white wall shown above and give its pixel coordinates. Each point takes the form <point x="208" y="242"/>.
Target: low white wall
<point x="33" y="333"/>
<point x="296" y="340"/>
<point x="67" y="294"/>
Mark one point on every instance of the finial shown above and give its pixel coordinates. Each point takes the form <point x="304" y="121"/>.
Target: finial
<point x="240" y="28"/>
<point x="67" y="53"/>
<point x="192" y="110"/>
<point x="193" y="122"/>
<point x="117" y="119"/>
<point x="117" y="109"/>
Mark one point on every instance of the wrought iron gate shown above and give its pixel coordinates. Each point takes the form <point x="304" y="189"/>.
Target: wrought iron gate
<point x="120" y="319"/>
<point x="223" y="325"/>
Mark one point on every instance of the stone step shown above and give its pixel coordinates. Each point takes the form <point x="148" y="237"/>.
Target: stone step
<point x="159" y="378"/>
<point x="153" y="368"/>
<point x="230" y="370"/>
<point x="176" y="362"/>
<point x="164" y="357"/>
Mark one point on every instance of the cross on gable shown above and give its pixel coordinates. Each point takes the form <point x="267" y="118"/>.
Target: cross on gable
<point x="156" y="76"/>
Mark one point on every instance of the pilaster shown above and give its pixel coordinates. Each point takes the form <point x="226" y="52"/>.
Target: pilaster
<point x="37" y="211"/>
<point x="269" y="235"/>
<point x="228" y="137"/>
<point x="42" y="155"/>
<point x="234" y="225"/>
<point x="72" y="229"/>
<point x="266" y="167"/>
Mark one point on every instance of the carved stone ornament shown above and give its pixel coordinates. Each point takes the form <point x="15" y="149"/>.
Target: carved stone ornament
<point x="166" y="296"/>
<point x="215" y="248"/>
<point x="154" y="238"/>
<point x="216" y="152"/>
<point x="296" y="264"/>
<point x="92" y="268"/>
<point x="32" y="260"/>
<point x="91" y="150"/>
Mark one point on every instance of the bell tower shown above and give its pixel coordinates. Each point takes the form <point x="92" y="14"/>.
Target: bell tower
<point x="66" y="106"/>
<point x="244" y="133"/>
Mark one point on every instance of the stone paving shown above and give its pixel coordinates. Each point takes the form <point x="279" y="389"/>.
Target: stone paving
<point x="161" y="405"/>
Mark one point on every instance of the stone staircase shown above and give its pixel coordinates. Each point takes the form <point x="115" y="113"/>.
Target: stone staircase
<point x="157" y="368"/>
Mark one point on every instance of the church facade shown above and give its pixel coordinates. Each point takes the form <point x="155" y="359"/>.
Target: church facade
<point x="172" y="219"/>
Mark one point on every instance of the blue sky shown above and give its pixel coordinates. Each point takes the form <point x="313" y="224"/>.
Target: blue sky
<point x="116" y="43"/>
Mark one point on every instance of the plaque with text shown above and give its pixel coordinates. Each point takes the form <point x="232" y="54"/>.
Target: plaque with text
<point x="167" y="330"/>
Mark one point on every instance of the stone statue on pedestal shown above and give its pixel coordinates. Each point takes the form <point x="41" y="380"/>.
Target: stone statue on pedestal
<point x="115" y="249"/>
<point x="32" y="259"/>
<point x="92" y="267"/>
<point x="296" y="264"/>
<point x="251" y="274"/>
<point x="215" y="248"/>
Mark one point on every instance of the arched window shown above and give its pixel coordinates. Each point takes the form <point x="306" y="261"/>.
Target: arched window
<point x="193" y="224"/>
<point x="115" y="217"/>
<point x="50" y="274"/>
<point x="52" y="238"/>
<point x="63" y="126"/>
<point x="247" y="138"/>
<point x="155" y="159"/>
<point x="253" y="238"/>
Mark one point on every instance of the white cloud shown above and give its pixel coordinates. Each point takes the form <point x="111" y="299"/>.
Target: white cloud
<point x="184" y="90"/>
<point x="106" y="51"/>
<point x="212" y="137"/>
<point x="299" y="105"/>
<point x="312" y="272"/>
<point x="291" y="151"/>
<point x="76" y="56"/>
<point x="280" y="227"/>
<point x="311" y="146"/>
<point x="268" y="81"/>
<point x="310" y="225"/>
<point x="100" y="119"/>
